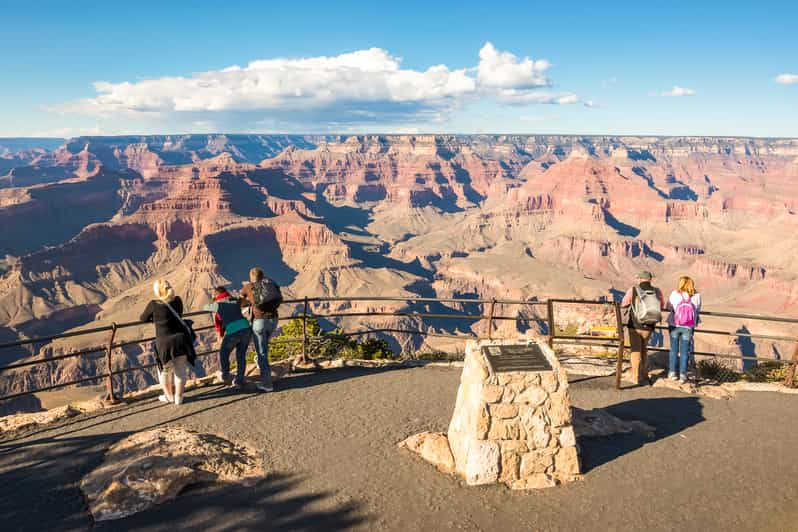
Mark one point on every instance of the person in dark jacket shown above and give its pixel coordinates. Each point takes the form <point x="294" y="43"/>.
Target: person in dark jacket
<point x="173" y="346"/>
<point x="263" y="327"/>
<point x="237" y="335"/>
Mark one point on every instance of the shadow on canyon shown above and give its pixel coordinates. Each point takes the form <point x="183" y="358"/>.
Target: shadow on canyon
<point x="237" y="250"/>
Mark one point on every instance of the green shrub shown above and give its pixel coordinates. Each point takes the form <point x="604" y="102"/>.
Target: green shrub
<point x="325" y="344"/>
<point x="767" y="372"/>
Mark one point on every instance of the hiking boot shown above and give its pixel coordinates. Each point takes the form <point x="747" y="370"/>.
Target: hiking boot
<point x="264" y="387"/>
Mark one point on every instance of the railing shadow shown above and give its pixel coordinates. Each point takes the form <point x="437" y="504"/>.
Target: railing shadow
<point x="670" y="415"/>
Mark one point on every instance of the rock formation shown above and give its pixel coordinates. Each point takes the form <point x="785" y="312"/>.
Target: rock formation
<point x="444" y="215"/>
<point x="153" y="467"/>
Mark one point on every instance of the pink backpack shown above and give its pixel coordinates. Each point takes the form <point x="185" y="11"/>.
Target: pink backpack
<point x="684" y="315"/>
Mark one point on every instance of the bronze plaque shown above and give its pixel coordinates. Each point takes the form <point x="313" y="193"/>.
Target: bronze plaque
<point x="504" y="358"/>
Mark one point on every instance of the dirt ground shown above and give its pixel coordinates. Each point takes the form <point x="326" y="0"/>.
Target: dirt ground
<point x="331" y="441"/>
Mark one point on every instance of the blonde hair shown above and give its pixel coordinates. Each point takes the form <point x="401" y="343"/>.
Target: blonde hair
<point x="255" y="275"/>
<point x="163" y="290"/>
<point x="686" y="284"/>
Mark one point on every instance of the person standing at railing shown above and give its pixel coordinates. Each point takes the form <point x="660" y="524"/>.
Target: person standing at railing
<point x="262" y="295"/>
<point x="174" y="349"/>
<point x="237" y="335"/>
<point x="684" y="305"/>
<point x="642" y="306"/>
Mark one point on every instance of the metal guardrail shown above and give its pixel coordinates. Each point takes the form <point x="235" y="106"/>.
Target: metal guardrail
<point x="617" y="341"/>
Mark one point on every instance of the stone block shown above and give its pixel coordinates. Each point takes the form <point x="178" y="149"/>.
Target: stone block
<point x="504" y="429"/>
<point x="483" y="463"/>
<point x="560" y="409"/>
<point x="534" y="395"/>
<point x="483" y="423"/>
<point x="566" y="462"/>
<point x="510" y="465"/>
<point x="548" y="381"/>
<point x="503" y="411"/>
<point x="492" y="393"/>
<point x="537" y="461"/>
<point x="567" y="437"/>
<point x="537" y="430"/>
<point x="535" y="482"/>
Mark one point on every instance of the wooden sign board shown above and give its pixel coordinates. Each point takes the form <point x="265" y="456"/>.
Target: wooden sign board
<point x="505" y="358"/>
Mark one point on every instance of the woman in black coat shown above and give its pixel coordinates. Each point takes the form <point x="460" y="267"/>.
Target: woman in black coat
<point x="173" y="345"/>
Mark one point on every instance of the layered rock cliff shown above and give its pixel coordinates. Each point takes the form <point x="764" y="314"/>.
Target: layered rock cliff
<point x="90" y="224"/>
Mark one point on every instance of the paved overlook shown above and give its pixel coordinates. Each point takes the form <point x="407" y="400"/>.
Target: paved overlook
<point x="330" y="442"/>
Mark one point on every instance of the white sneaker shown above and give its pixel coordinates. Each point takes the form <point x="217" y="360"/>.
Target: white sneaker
<point x="672" y="376"/>
<point x="162" y="398"/>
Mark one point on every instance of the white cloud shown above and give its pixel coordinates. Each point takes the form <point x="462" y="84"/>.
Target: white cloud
<point x="787" y="79"/>
<point x="364" y="86"/>
<point x="503" y="70"/>
<point x="678" y="91"/>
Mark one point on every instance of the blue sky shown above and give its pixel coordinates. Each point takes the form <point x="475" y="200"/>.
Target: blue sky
<point x="345" y="66"/>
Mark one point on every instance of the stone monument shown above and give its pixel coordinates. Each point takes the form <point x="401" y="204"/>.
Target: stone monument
<point x="512" y="418"/>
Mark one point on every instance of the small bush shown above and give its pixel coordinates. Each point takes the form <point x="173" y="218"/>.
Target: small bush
<point x="716" y="370"/>
<point x="325" y="344"/>
<point x="767" y="372"/>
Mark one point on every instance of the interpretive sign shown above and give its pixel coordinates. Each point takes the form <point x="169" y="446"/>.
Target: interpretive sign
<point x="504" y="358"/>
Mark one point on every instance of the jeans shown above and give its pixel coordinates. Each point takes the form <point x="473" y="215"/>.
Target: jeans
<point x="681" y="341"/>
<point x="262" y="330"/>
<point x="240" y="341"/>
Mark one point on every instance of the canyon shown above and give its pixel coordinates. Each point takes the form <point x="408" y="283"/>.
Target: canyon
<point x="88" y="223"/>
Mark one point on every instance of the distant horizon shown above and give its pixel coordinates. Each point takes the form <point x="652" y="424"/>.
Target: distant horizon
<point x="419" y="134"/>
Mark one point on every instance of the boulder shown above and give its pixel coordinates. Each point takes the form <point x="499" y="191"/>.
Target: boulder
<point x="153" y="467"/>
<point x="432" y="447"/>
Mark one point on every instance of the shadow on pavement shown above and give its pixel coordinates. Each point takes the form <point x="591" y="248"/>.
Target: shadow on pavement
<point x="327" y="376"/>
<point x="274" y="504"/>
<point x="669" y="416"/>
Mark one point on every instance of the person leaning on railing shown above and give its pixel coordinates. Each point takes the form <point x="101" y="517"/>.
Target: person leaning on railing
<point x="684" y="304"/>
<point x="237" y="334"/>
<point x="174" y="349"/>
<point x="642" y="307"/>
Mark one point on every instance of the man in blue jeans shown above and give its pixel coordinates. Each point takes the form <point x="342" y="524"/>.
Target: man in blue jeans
<point x="259" y="295"/>
<point x="237" y="335"/>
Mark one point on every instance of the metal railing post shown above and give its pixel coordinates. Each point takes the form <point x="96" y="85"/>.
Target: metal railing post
<point x="490" y="318"/>
<point x="621" y="341"/>
<point x="789" y="380"/>
<point x="305" y="333"/>
<point x="110" y="397"/>
<point x="550" y="319"/>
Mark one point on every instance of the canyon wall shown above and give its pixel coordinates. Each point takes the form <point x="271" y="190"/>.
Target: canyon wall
<point x="90" y="223"/>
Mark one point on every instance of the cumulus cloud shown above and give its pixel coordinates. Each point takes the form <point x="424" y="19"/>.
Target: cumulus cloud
<point x="678" y="91"/>
<point x="787" y="79"/>
<point x="358" y="87"/>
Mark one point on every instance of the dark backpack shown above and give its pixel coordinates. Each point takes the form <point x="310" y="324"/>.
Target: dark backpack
<point x="266" y="296"/>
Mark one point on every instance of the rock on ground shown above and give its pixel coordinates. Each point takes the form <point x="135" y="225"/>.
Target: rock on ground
<point x="432" y="447"/>
<point x="16" y="422"/>
<point x="153" y="467"/>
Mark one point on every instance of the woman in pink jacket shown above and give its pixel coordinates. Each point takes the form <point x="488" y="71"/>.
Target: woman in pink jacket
<point x="685" y="305"/>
